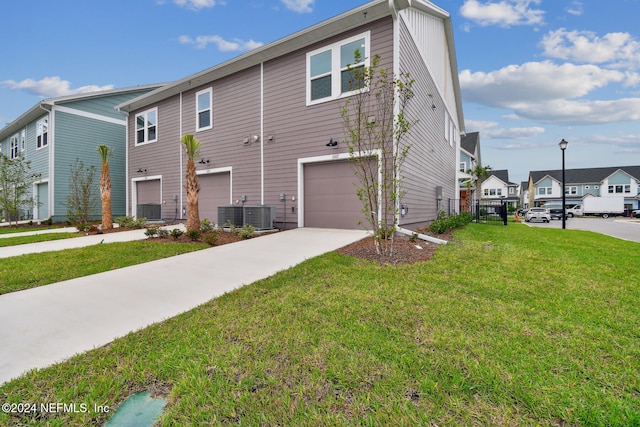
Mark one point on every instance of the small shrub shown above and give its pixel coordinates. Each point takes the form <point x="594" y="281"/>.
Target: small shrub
<point x="163" y="233"/>
<point x="206" y="225"/>
<point x="445" y="223"/>
<point x="211" y="238"/>
<point x="230" y="226"/>
<point x="151" y="232"/>
<point x="130" y="222"/>
<point x="246" y="232"/>
<point x="176" y="233"/>
<point x="194" y="235"/>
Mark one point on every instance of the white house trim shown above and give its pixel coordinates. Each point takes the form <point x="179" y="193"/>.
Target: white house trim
<point x="134" y="191"/>
<point x="221" y="170"/>
<point x="88" y="115"/>
<point x="329" y="158"/>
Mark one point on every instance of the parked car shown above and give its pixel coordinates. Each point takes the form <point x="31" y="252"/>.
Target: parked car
<point x="540" y="214"/>
<point x="635" y="213"/>
<point x="556" y="213"/>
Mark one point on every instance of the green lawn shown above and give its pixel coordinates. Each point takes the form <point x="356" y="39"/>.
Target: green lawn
<point x="33" y="270"/>
<point x="510" y="326"/>
<point x="18" y="229"/>
<point x="37" y="238"/>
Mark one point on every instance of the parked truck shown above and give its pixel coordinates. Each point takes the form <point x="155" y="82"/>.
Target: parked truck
<point x="603" y="206"/>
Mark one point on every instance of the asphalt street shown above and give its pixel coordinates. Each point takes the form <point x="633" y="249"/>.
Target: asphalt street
<point x="621" y="228"/>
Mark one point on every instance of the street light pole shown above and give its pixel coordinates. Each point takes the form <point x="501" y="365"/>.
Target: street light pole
<point x="563" y="146"/>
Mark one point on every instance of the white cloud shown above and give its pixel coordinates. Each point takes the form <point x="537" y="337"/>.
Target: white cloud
<point x="51" y="87"/>
<point x="617" y="49"/>
<point x="300" y="6"/>
<point x="583" y="112"/>
<point x="575" y="8"/>
<point x="201" y="42"/>
<point x="494" y="131"/>
<point x="505" y="13"/>
<point x="534" y="82"/>
<point x="196" y="4"/>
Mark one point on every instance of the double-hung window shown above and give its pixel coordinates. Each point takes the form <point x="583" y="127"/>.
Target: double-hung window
<point x="147" y="127"/>
<point x="204" y="116"/>
<point x="42" y="133"/>
<point x="331" y="70"/>
<point x="23" y="139"/>
<point x="13" y="146"/>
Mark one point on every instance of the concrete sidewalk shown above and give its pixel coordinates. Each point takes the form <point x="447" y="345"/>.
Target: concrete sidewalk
<point x="74" y="242"/>
<point x="45" y="325"/>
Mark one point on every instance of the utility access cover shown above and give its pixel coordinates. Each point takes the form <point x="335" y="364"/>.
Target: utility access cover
<point x="139" y="410"/>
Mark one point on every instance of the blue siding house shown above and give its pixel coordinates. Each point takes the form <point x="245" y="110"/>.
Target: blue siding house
<point x="55" y="132"/>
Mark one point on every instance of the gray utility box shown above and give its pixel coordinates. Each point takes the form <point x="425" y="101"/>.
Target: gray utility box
<point x="149" y="211"/>
<point x="231" y="214"/>
<point x="261" y="217"/>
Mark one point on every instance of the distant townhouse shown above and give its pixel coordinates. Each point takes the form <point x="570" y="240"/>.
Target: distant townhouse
<point x="546" y="186"/>
<point x="469" y="159"/>
<point x="57" y="131"/>
<point x="498" y="187"/>
<point x="270" y="127"/>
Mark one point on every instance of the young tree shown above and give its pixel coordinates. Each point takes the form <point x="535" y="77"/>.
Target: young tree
<point x="191" y="147"/>
<point x="478" y="174"/>
<point x="375" y="126"/>
<point x="15" y="184"/>
<point x="81" y="200"/>
<point x="105" y="187"/>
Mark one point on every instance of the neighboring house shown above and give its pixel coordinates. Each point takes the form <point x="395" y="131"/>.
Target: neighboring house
<point x="524" y="194"/>
<point x="270" y="126"/>
<point x="545" y="186"/>
<point x="56" y="132"/>
<point x="469" y="159"/>
<point x="498" y="187"/>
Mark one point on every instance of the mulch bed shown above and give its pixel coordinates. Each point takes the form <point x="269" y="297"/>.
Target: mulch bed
<point x="404" y="250"/>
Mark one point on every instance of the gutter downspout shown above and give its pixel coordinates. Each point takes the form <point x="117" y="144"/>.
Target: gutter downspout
<point x="50" y="147"/>
<point x="181" y="161"/>
<point x="422" y="236"/>
<point x="126" y="162"/>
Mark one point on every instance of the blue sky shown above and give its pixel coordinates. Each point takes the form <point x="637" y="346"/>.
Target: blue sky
<point x="532" y="72"/>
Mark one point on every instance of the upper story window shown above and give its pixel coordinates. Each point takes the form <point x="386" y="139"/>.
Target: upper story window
<point x="23" y="139"/>
<point x="619" y="189"/>
<point x="13" y="146"/>
<point x="147" y="127"/>
<point x="204" y="118"/>
<point x="330" y="70"/>
<point x="545" y="191"/>
<point x="42" y="133"/>
<point x="463" y="166"/>
<point x="571" y="190"/>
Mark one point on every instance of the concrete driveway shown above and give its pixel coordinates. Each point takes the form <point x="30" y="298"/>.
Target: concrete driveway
<point x="45" y="325"/>
<point x="622" y="228"/>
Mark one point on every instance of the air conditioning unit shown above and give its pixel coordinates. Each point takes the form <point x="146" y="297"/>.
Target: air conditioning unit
<point x="261" y="217"/>
<point x="231" y="214"/>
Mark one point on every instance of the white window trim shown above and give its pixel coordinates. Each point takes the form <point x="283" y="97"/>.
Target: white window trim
<point x="210" y="91"/>
<point x="14" y="146"/>
<point x="336" y="81"/>
<point x="38" y="124"/>
<point x="146" y="127"/>
<point x="23" y="140"/>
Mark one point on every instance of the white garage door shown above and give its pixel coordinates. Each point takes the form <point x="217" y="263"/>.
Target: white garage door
<point x="330" y="198"/>
<point x="215" y="190"/>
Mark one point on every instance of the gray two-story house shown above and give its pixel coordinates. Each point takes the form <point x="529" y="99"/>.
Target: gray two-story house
<point x="618" y="181"/>
<point x="57" y="131"/>
<point x="271" y="130"/>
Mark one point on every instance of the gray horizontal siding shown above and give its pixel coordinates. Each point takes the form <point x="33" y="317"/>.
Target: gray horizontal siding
<point x="303" y="131"/>
<point x="161" y="157"/>
<point x="104" y="105"/>
<point x="78" y="138"/>
<point x="432" y="160"/>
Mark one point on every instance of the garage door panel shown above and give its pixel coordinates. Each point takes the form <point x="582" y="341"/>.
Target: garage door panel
<point x="330" y="193"/>
<point x="215" y="190"/>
